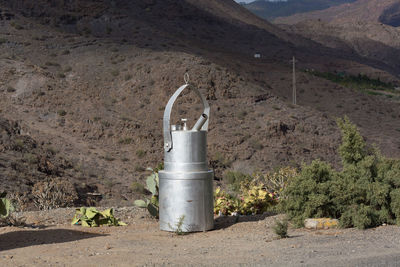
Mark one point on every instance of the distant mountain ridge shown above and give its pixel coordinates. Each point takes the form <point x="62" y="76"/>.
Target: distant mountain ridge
<point x="360" y="10"/>
<point x="269" y="10"/>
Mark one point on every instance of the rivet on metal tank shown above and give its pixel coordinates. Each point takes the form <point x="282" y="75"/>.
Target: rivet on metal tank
<point x="186" y="183"/>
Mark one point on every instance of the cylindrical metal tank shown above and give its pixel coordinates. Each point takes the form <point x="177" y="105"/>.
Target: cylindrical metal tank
<point x="186" y="183"/>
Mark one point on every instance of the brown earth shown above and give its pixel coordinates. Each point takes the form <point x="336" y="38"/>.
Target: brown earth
<point x="84" y="84"/>
<point x="246" y="240"/>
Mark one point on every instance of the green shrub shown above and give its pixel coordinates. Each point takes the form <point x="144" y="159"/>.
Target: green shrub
<point x="62" y="112"/>
<point x="352" y="149"/>
<point x="233" y="179"/>
<point x="365" y="193"/>
<point x="309" y="194"/>
<point x="281" y="228"/>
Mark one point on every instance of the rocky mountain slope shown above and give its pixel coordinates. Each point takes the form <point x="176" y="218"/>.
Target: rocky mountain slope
<point x="360" y="10"/>
<point x="272" y="9"/>
<point x="365" y="27"/>
<point x="89" y="80"/>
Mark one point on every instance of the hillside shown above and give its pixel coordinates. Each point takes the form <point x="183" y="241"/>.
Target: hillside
<point x="270" y="10"/>
<point x="360" y="10"/>
<point x="89" y="80"/>
<point x="357" y="27"/>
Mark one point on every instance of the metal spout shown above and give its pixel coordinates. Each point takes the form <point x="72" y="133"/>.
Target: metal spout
<point x="200" y="122"/>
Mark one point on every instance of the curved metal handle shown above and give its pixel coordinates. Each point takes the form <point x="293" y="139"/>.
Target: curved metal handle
<point x="167" y="115"/>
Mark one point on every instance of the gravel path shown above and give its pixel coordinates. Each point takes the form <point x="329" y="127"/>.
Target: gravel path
<point x="249" y="241"/>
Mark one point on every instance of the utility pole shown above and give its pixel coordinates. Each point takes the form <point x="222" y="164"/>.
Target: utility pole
<point x="294" y="81"/>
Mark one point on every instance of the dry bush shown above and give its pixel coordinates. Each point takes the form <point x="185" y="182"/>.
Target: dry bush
<point x="20" y="201"/>
<point x="54" y="193"/>
<point x="13" y="220"/>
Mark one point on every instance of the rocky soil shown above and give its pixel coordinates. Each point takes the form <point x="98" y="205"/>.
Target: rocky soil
<point x="248" y="240"/>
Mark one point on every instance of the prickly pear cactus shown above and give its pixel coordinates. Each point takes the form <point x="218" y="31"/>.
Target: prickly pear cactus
<point x="152" y="185"/>
<point x="91" y="217"/>
<point x="6" y="206"/>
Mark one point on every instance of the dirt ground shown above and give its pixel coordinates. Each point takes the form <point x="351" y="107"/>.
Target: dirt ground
<point x="249" y="241"/>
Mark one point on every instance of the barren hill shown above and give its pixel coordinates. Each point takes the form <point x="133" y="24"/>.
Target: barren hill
<point x="365" y="27"/>
<point x="272" y="9"/>
<point x="360" y="10"/>
<point x="89" y="80"/>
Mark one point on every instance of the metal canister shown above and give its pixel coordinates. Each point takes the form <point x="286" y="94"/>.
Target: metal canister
<point x="186" y="183"/>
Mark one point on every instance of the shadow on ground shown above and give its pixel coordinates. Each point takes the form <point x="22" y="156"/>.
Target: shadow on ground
<point x="26" y="238"/>
<point x="223" y="222"/>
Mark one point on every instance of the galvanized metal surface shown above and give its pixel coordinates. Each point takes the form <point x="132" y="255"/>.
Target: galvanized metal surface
<point x="186" y="183"/>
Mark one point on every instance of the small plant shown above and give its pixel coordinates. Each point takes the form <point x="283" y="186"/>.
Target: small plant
<point x="242" y="114"/>
<point x="109" y="157"/>
<point x="125" y="141"/>
<point x="178" y="226"/>
<point x="218" y="160"/>
<point x="6" y="212"/>
<point x="30" y="158"/>
<point x="225" y="204"/>
<point x="127" y="77"/>
<point x="115" y="73"/>
<point x="54" y="64"/>
<point x="16" y="26"/>
<point x="281" y="228"/>
<point x="91" y="217"/>
<point x="10" y="89"/>
<point x="61" y="112"/>
<point x="152" y="185"/>
<point x="54" y="193"/>
<point x="61" y="75"/>
<point x="105" y="124"/>
<point x="6" y="206"/>
<point x="18" y="145"/>
<point x="255" y="144"/>
<point x="140" y="153"/>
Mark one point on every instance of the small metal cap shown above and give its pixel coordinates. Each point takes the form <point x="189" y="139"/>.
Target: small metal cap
<point x="184" y="126"/>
